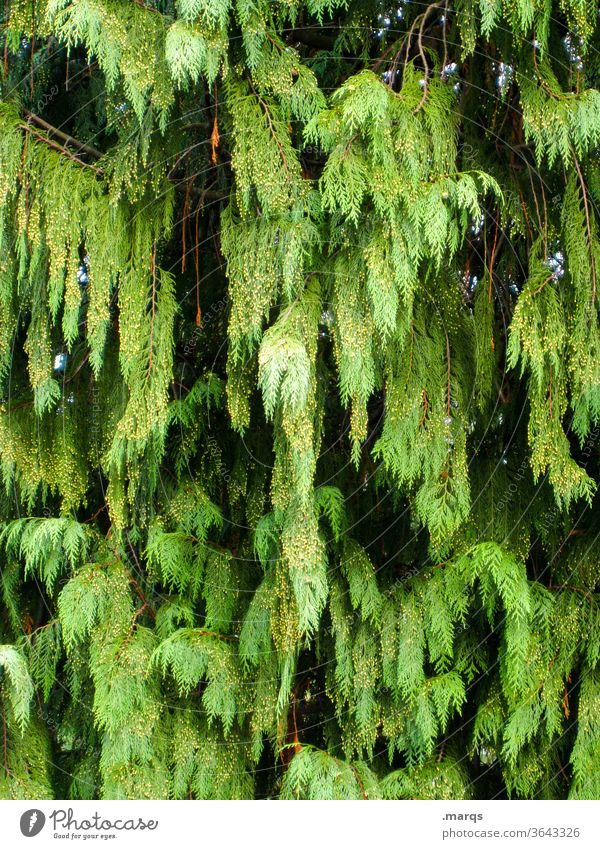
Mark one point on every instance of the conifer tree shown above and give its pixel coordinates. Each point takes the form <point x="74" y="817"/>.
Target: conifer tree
<point x="299" y="399"/>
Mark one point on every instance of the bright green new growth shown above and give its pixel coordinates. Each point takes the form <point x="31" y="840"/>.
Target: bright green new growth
<point x="299" y="399"/>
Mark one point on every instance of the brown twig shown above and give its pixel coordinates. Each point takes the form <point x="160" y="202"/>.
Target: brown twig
<point x="136" y="616"/>
<point x="78" y="369"/>
<point x="539" y="288"/>
<point x="421" y="20"/>
<point x="214" y="136"/>
<point x="359" y="781"/>
<point x="425" y="69"/>
<point x="68" y="140"/>
<point x="587" y="224"/>
<point x="425" y="408"/>
<point x="448" y="408"/>
<point x="545" y="213"/>
<point x="153" y="310"/>
<point x="5" y="741"/>
<point x="546" y="88"/>
<point x="535" y="200"/>
<point x="445" y="59"/>
<point x="184" y="217"/>
<point x="524" y="208"/>
<point x="6" y="15"/>
<point x="146" y="6"/>
<point x="96" y="514"/>
<point x="492" y="256"/>
<point x="62" y="150"/>
<point x="385" y="53"/>
<point x="197" y="264"/>
<point x="348" y="146"/>
<point x="272" y="129"/>
<point x="32" y="55"/>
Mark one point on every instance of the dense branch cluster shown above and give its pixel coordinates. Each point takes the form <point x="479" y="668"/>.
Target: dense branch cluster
<point x="299" y="399"/>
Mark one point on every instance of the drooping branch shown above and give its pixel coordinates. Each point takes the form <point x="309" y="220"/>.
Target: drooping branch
<point x="64" y="151"/>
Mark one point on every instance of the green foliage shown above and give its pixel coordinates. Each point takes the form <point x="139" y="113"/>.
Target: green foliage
<point x="315" y="774"/>
<point x="299" y="399"/>
<point x="16" y="684"/>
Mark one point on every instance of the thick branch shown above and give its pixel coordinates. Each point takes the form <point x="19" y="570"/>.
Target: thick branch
<point x="66" y="139"/>
<point x="64" y="151"/>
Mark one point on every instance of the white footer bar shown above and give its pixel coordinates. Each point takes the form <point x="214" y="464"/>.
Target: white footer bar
<point x="279" y="825"/>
